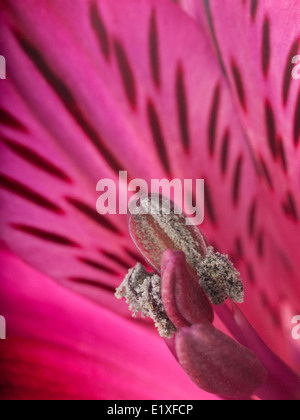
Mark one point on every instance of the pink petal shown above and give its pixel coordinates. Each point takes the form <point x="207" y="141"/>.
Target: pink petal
<point x="255" y="42"/>
<point x="176" y="120"/>
<point x="61" y="346"/>
<point x="282" y="383"/>
<point x="73" y="78"/>
<point x="257" y="55"/>
<point x="48" y="214"/>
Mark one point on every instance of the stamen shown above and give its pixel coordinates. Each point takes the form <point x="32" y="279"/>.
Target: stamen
<point x="219" y="279"/>
<point x="159" y="225"/>
<point x="142" y="291"/>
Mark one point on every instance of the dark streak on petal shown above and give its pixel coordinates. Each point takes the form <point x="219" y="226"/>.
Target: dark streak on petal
<point x="36" y="160"/>
<point x="213" y="120"/>
<point x="157" y="135"/>
<point x="210" y="19"/>
<point x="237" y="177"/>
<point x="251" y="274"/>
<point x="93" y="283"/>
<point x="113" y="257"/>
<point x="47" y="236"/>
<point x="255" y="162"/>
<point x="275" y="317"/>
<point x="297" y="122"/>
<point x="288" y="71"/>
<point x="282" y="155"/>
<point x="11" y="121"/>
<point x="225" y="151"/>
<point x="238" y="80"/>
<point x="239" y="248"/>
<point x="134" y="255"/>
<point x="209" y="207"/>
<point x="266" y="47"/>
<point x="266" y="173"/>
<point x="126" y="73"/>
<point x="154" y="50"/>
<point x="289" y="207"/>
<point x="27" y="193"/>
<point x="253" y="11"/>
<point x="252" y="218"/>
<point x="271" y="128"/>
<point x="100" y="30"/>
<point x="182" y="108"/>
<point x="265" y="301"/>
<point x="286" y="262"/>
<point x="66" y="97"/>
<point x="93" y="215"/>
<point x="98" y="266"/>
<point x="260" y="245"/>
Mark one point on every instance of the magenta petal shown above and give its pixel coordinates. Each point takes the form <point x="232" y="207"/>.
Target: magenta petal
<point x="217" y="364"/>
<point x="282" y="383"/>
<point x="62" y="346"/>
<point x="184" y="301"/>
<point x="150" y="141"/>
<point x="257" y="56"/>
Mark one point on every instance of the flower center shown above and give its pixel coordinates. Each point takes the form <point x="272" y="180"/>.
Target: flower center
<point x="157" y="226"/>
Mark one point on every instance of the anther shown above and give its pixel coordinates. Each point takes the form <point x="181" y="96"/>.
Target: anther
<point x="142" y="291"/>
<point x="158" y="225"/>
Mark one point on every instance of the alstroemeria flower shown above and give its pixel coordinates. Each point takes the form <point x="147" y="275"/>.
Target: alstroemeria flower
<point x="202" y="91"/>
